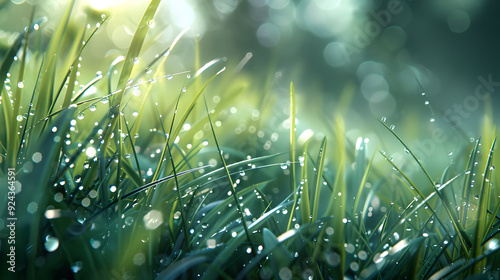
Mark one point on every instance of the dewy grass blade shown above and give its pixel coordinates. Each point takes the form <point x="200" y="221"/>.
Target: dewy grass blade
<point x="292" y="140"/>
<point x="292" y="154"/>
<point x="451" y="213"/>
<point x="469" y="179"/>
<point x="164" y="56"/>
<point x="305" y="205"/>
<point x="319" y="176"/>
<point x="430" y="207"/>
<point x="233" y="190"/>
<point x="362" y="183"/>
<point x="483" y="206"/>
<point x="135" y="49"/>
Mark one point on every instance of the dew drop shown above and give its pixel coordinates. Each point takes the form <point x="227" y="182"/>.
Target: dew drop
<point x="93" y="107"/>
<point x="77" y="266"/>
<point x="20" y="85"/>
<point x="80" y="116"/>
<point x="169" y="77"/>
<point x="136" y="60"/>
<point x="153" y="219"/>
<point x="149" y="70"/>
<point x="284" y="166"/>
<point x="51" y="243"/>
<point x="432" y="120"/>
<point x="19" y="118"/>
<point x="105" y="100"/>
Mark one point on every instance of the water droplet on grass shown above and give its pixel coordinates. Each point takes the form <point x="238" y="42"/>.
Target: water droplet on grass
<point x="284" y="166"/>
<point x="93" y="107"/>
<point x="153" y="219"/>
<point x="51" y="243"/>
<point x="149" y="70"/>
<point x="77" y="266"/>
<point x="136" y="60"/>
<point x="20" y="85"/>
<point x="432" y="120"/>
<point x="19" y="118"/>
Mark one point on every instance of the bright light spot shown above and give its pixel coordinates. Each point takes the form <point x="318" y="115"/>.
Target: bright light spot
<point x="53" y="213"/>
<point x="37" y="157"/>
<point x="186" y="126"/>
<point x="286" y="235"/>
<point x="211" y="243"/>
<point x="181" y="13"/>
<point x="492" y="244"/>
<point x="358" y="143"/>
<point x="153" y="219"/>
<point x="51" y="243"/>
<point x="304" y="136"/>
<point x="90" y="152"/>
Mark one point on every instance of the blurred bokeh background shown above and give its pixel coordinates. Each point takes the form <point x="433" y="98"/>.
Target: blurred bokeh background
<point x="430" y="68"/>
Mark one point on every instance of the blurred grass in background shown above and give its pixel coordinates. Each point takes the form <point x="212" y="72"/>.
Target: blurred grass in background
<point x="164" y="139"/>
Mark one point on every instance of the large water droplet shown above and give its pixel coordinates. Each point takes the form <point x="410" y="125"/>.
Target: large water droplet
<point x="153" y="219"/>
<point x="51" y="243"/>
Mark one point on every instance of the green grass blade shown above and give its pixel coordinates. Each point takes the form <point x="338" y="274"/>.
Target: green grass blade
<point x="319" y="176"/>
<point x="484" y="201"/>
<point x="233" y="190"/>
<point x="305" y="205"/>
<point x="292" y="153"/>
<point x="451" y="212"/>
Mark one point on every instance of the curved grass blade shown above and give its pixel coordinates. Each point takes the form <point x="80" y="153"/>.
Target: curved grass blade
<point x="453" y="215"/>
<point x="233" y="190"/>
<point x="292" y="153"/>
<point x="319" y="176"/>
<point x="223" y="256"/>
<point x="484" y="201"/>
<point x="468" y="182"/>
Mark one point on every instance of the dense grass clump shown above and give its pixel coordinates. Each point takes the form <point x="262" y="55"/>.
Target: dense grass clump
<point x="138" y="173"/>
